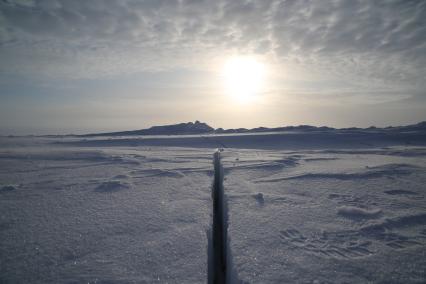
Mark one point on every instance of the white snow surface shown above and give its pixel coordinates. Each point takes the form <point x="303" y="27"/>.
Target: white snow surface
<point x="124" y="210"/>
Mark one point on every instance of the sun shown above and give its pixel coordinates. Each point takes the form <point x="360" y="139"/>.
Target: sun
<point x="244" y="77"/>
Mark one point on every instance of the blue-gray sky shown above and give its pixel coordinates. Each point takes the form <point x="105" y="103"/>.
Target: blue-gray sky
<point x="86" y="66"/>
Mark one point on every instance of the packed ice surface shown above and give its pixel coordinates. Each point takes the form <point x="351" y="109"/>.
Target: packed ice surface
<point x="135" y="210"/>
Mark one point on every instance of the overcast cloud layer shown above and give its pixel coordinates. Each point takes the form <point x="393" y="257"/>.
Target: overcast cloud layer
<point x="93" y="38"/>
<point x="378" y="46"/>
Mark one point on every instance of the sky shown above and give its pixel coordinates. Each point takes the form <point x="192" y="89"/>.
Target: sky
<point x="91" y="66"/>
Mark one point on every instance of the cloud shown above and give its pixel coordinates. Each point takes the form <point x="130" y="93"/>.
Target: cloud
<point x="383" y="40"/>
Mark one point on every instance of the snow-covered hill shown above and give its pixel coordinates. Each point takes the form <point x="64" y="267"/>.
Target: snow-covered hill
<point x="173" y="129"/>
<point x="290" y="140"/>
<point x="198" y="127"/>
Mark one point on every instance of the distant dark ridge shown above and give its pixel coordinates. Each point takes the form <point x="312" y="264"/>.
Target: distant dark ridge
<point x="174" y="129"/>
<point x="276" y="129"/>
<point x="198" y="127"/>
<point x="421" y="126"/>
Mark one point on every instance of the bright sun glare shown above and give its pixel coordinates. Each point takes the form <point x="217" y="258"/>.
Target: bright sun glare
<point x="243" y="78"/>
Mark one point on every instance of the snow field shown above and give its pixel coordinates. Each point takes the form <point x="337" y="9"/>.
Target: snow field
<point x="102" y="216"/>
<point x="84" y="211"/>
<point x="320" y="217"/>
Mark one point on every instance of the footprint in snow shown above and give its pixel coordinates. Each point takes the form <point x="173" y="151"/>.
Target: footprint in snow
<point x="326" y="245"/>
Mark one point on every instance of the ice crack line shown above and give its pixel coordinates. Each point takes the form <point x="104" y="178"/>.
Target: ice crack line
<point x="218" y="258"/>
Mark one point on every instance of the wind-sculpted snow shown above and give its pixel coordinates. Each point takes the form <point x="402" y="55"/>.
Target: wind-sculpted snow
<point x="277" y="140"/>
<point x="330" y="217"/>
<point x="74" y="215"/>
<point x="7" y="188"/>
<point x="104" y="211"/>
<point x="358" y="213"/>
<point x="367" y="173"/>
<point x="112" y="185"/>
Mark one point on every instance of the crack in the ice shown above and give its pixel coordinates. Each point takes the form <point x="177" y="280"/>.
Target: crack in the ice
<point x="219" y="226"/>
<point x="220" y="267"/>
